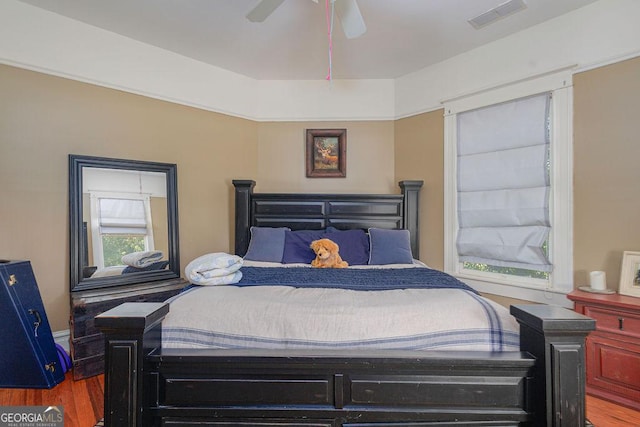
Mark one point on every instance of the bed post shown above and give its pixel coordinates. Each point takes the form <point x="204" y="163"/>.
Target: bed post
<point x="244" y="191"/>
<point x="131" y="330"/>
<point x="555" y="336"/>
<point x="411" y="193"/>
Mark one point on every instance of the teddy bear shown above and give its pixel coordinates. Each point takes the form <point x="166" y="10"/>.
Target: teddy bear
<point x="327" y="255"/>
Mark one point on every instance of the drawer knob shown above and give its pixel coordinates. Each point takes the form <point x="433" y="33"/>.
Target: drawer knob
<point x="621" y="323"/>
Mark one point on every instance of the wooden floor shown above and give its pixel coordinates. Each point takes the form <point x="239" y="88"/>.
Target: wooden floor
<point x="83" y="403"/>
<point x="606" y="414"/>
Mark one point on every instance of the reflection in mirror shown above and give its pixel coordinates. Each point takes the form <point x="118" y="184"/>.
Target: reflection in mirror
<point x="123" y="226"/>
<point x="120" y="208"/>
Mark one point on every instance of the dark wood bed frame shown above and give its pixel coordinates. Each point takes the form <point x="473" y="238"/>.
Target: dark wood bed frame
<point x="145" y="385"/>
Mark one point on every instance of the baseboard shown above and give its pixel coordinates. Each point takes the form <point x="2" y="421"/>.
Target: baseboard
<point x="62" y="338"/>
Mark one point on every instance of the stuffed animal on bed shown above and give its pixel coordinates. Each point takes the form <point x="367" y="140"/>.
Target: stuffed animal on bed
<point x="327" y="255"/>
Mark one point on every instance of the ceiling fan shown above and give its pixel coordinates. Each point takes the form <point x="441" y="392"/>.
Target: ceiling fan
<point x="348" y="11"/>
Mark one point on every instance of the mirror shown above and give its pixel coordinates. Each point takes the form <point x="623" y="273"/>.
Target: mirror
<point x="123" y="225"/>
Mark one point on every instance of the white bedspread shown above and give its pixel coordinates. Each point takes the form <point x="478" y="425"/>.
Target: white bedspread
<point x="285" y="317"/>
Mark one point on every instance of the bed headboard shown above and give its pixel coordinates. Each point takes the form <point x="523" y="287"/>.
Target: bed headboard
<point x="300" y="211"/>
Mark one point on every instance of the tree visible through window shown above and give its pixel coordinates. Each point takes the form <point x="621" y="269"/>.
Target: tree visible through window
<point x="115" y="246"/>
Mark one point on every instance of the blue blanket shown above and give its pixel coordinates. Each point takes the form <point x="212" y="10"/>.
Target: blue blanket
<point x="375" y="279"/>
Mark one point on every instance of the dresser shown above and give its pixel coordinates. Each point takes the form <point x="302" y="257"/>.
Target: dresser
<point x="613" y="349"/>
<point x="87" y="342"/>
<point x="28" y="356"/>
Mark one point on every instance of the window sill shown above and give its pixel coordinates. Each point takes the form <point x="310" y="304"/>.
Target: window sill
<point x="538" y="295"/>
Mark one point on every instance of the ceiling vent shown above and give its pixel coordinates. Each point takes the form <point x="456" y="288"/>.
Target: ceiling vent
<point x="505" y="9"/>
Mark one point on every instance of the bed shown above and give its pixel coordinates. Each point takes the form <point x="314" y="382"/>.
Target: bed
<point x="159" y="371"/>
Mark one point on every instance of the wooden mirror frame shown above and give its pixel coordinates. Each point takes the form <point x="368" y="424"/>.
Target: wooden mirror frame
<point x="77" y="244"/>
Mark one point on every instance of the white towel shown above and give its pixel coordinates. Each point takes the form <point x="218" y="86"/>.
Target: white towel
<point x="142" y="259"/>
<point x="229" y="279"/>
<point x="216" y="268"/>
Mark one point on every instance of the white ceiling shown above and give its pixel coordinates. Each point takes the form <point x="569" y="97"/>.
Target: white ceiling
<point x="402" y="36"/>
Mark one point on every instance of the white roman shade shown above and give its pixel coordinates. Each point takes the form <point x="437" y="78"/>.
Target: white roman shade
<point x="503" y="184"/>
<point x="122" y="216"/>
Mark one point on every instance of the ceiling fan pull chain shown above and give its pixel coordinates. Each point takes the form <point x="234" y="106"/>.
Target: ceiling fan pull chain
<point x="329" y="32"/>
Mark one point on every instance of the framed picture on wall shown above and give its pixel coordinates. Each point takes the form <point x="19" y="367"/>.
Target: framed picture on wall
<point x="326" y="153"/>
<point x="630" y="274"/>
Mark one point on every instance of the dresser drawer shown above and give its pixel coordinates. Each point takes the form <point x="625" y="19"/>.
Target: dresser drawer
<point x="615" y="321"/>
<point x="613" y="370"/>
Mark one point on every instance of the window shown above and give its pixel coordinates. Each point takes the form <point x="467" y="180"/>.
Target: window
<point x="508" y="200"/>
<point x="120" y="224"/>
<point x="503" y="186"/>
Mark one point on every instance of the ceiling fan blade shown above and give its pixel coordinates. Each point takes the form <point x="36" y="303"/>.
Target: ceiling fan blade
<point x="350" y="17"/>
<point x="263" y="10"/>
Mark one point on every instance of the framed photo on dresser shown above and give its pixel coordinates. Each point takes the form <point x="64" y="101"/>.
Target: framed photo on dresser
<point x="630" y="274"/>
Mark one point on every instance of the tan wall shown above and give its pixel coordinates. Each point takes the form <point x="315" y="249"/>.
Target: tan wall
<point x="606" y="169"/>
<point x="43" y="119"/>
<point x="159" y="221"/>
<point x="370" y="153"/>
<point x="419" y="154"/>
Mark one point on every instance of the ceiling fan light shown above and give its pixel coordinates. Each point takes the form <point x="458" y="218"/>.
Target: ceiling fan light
<point x="351" y="18"/>
<point x="263" y="10"/>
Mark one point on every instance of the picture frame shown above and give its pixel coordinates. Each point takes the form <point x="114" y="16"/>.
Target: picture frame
<point x="630" y="274"/>
<point x="326" y="153"/>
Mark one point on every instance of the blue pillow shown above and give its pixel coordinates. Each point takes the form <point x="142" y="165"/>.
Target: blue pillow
<point x="266" y="244"/>
<point x="158" y="265"/>
<point x="354" y="244"/>
<point x="296" y="246"/>
<point x="389" y="247"/>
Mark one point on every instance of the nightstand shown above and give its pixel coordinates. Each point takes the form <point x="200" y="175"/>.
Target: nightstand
<point x="613" y="349"/>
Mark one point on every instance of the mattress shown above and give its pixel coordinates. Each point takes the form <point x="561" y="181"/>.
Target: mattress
<point x="393" y="313"/>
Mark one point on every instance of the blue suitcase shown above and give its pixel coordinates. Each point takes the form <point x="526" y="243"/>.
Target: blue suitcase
<point x="28" y="354"/>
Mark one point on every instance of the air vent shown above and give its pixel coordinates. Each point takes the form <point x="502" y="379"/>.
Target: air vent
<point x="501" y="11"/>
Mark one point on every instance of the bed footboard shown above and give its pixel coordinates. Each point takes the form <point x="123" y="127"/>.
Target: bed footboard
<point x="132" y="331"/>
<point x="556" y="337"/>
<point x="543" y="385"/>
